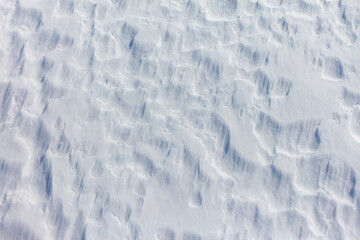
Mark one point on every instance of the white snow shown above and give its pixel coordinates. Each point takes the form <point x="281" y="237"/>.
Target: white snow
<point x="179" y="119"/>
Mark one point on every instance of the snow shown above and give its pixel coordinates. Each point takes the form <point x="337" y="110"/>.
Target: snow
<point x="174" y="119"/>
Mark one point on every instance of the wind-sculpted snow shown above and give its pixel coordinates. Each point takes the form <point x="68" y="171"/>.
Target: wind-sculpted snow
<point x="28" y="17"/>
<point x="250" y="56"/>
<point x="333" y="68"/>
<point x="349" y="98"/>
<point x="355" y="124"/>
<point x="294" y="137"/>
<point x="166" y="119"/>
<point x="334" y="175"/>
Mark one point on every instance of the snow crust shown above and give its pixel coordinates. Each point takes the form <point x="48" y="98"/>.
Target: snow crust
<point x="174" y="119"/>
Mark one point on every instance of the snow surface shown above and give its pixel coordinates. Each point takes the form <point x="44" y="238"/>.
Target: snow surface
<point x="179" y="119"/>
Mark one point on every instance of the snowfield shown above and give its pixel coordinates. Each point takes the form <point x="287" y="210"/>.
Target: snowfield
<point x="179" y="119"/>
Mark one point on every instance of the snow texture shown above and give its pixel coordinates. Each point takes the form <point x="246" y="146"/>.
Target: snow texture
<point x="179" y="119"/>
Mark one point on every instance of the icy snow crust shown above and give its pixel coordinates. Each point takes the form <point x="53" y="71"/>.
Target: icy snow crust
<point x="172" y="119"/>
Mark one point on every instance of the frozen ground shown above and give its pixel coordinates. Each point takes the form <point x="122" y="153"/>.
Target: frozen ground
<point x="173" y="119"/>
